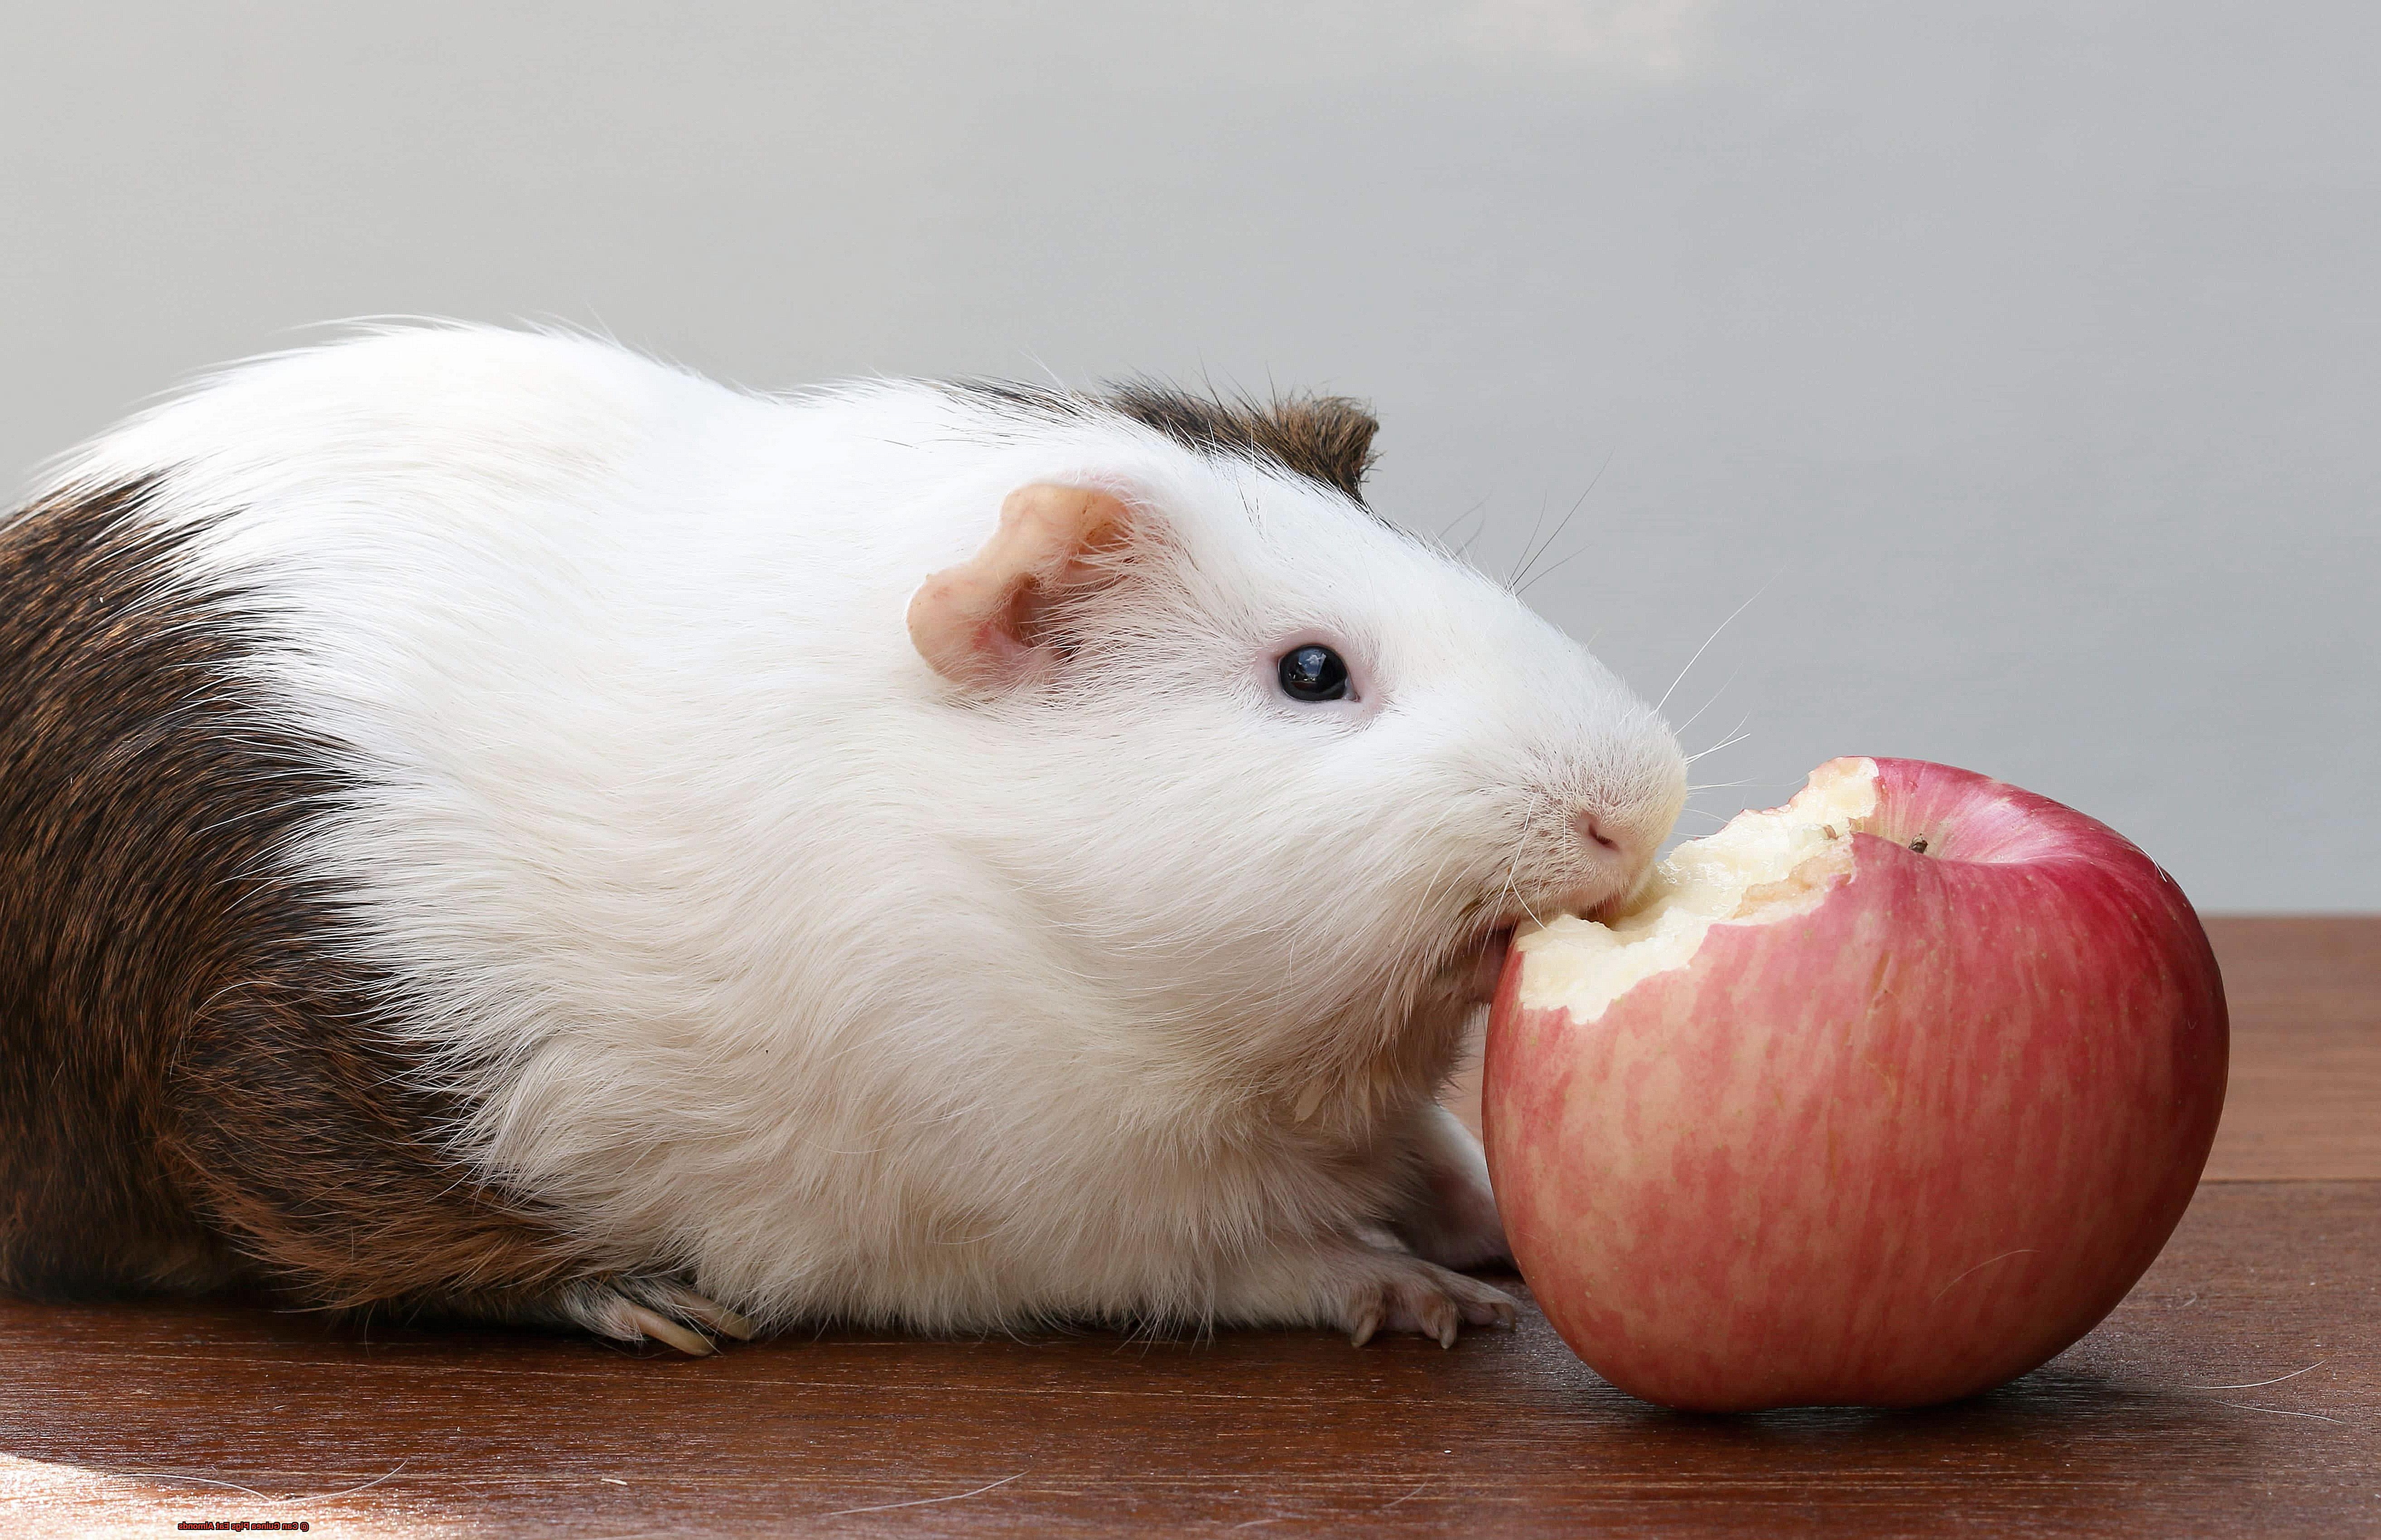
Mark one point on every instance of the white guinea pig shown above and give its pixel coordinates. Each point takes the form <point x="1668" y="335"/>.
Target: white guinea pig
<point x="491" y="825"/>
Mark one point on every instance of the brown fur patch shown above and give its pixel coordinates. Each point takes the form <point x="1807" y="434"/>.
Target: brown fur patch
<point x="1323" y="438"/>
<point x="1327" y="439"/>
<point x="192" y="1089"/>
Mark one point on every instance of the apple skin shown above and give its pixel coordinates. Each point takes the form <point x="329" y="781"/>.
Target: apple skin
<point x="1893" y="1151"/>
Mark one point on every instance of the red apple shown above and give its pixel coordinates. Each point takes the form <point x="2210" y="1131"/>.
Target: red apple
<point x="1879" y="1098"/>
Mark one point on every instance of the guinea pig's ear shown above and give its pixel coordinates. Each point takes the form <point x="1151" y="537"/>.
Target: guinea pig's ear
<point x="987" y="623"/>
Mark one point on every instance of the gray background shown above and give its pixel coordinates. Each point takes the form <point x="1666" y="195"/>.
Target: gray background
<point x="2011" y="367"/>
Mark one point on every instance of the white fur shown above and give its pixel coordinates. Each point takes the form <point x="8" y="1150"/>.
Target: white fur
<point x="768" y="954"/>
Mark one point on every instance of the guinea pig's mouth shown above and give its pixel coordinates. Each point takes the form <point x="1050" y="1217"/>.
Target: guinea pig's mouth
<point x="1479" y="964"/>
<point x="1488" y="966"/>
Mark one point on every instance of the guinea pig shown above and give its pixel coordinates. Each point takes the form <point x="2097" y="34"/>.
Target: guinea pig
<point x="496" y="827"/>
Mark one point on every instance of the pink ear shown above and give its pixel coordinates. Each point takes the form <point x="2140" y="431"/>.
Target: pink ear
<point x="985" y="623"/>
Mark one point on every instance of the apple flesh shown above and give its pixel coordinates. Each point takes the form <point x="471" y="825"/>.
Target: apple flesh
<point x="1879" y="1098"/>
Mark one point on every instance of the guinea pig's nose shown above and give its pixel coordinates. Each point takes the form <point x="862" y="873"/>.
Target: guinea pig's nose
<point x="1592" y="830"/>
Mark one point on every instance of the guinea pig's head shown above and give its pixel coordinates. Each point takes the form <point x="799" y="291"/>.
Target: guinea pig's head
<point x="1282" y="778"/>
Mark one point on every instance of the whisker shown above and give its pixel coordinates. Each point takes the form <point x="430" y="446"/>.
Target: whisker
<point x="1709" y="640"/>
<point x="1713" y="702"/>
<point x="1728" y="743"/>
<point x="1535" y="525"/>
<point x="1459" y="517"/>
<point x="2256" y="1384"/>
<point x="1513" y="867"/>
<point x="1554" y="568"/>
<point x="1733" y="734"/>
<point x="1576" y="505"/>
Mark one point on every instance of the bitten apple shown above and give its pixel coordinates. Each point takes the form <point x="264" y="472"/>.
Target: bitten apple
<point x="1881" y="1098"/>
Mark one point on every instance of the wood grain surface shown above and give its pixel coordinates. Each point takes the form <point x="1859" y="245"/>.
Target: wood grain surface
<point x="2305" y="1097"/>
<point x="2238" y="1391"/>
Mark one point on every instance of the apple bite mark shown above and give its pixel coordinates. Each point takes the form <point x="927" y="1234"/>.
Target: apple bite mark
<point x="1762" y="868"/>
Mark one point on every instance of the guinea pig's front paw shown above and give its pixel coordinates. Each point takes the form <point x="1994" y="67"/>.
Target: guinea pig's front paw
<point x="1453" y="1222"/>
<point x="1456" y="1225"/>
<point x="1406" y="1293"/>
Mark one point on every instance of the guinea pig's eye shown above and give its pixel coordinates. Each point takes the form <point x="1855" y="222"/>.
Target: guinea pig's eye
<point x="1312" y="673"/>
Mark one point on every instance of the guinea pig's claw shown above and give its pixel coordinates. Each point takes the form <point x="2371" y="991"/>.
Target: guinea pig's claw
<point x="1400" y="1292"/>
<point x="655" y="1309"/>
<point x="719" y="1319"/>
<point x="1440" y="1321"/>
<point x="660" y="1328"/>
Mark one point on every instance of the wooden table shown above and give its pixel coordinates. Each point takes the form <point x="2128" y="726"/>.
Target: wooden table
<point x="2237" y="1392"/>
